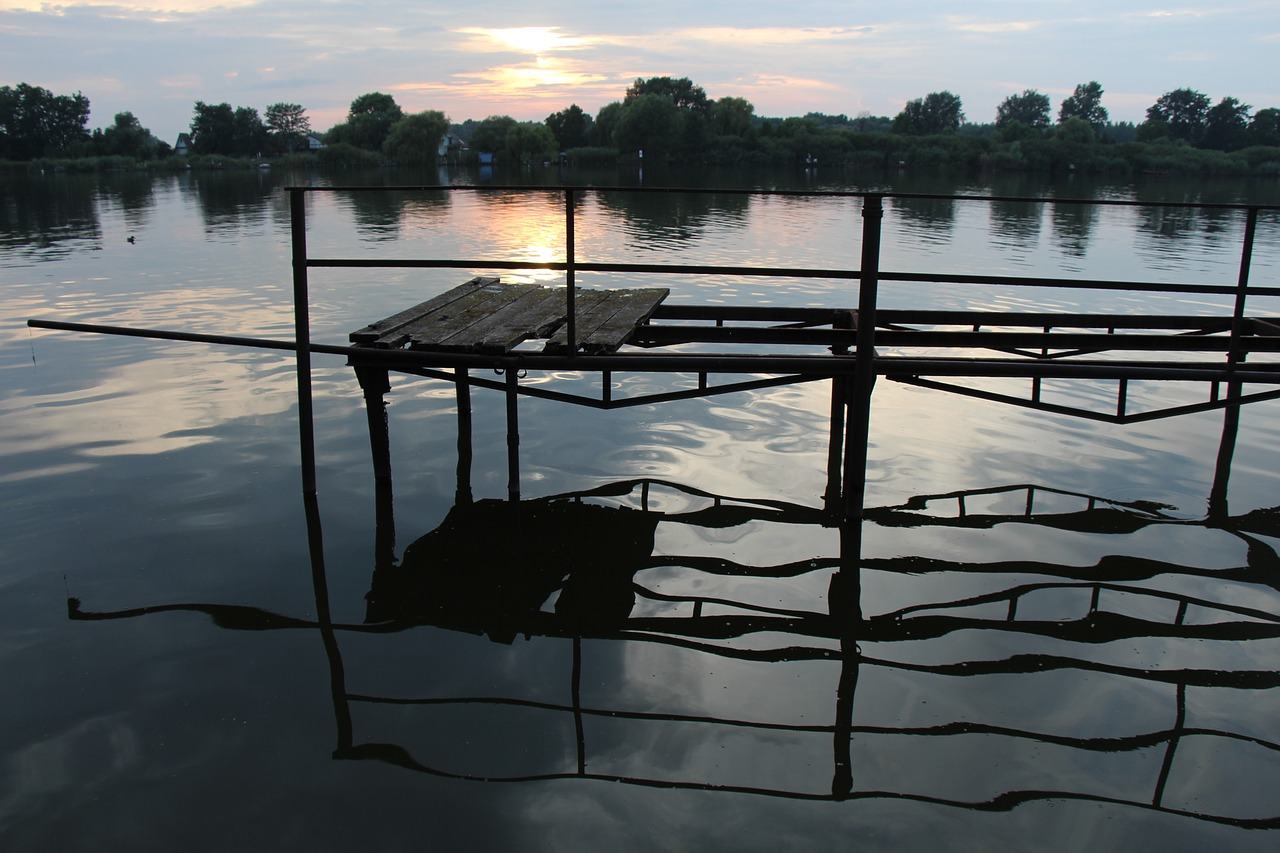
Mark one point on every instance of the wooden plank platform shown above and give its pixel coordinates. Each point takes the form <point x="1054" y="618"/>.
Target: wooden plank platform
<point x="484" y="315"/>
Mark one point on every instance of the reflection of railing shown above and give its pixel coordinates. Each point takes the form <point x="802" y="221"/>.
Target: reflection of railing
<point x="933" y="651"/>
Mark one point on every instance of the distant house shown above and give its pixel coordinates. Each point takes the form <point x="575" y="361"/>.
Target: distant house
<point x="183" y="146"/>
<point x="314" y="142"/>
<point x="451" y="147"/>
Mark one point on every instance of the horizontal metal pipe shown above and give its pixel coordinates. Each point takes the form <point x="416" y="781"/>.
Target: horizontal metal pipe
<point x="1074" y="340"/>
<point x="783" y="272"/>
<point x="559" y="189"/>
<point x="805" y="365"/>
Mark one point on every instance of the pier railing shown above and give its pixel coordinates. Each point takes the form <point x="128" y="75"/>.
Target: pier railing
<point x="874" y="328"/>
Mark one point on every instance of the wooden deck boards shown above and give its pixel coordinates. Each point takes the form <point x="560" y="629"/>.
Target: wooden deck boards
<point x="484" y="315"/>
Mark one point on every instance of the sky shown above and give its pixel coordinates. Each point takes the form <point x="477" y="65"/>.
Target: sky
<point x="528" y="59"/>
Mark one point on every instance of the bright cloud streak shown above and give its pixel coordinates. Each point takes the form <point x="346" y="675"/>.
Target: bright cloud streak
<point x="528" y="39"/>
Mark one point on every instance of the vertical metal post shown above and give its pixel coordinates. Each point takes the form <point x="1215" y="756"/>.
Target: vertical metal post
<point x="1218" y="512"/>
<point x="835" y="443"/>
<point x="462" y="492"/>
<point x="302" y="336"/>
<point x="864" y="376"/>
<point x="375" y="383"/>
<point x="845" y="592"/>
<point x="513" y="432"/>
<point x="571" y="288"/>
<point x="1242" y="289"/>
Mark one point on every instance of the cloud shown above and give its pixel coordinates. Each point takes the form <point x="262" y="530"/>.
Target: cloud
<point x="125" y="8"/>
<point x="537" y="40"/>
<point x="968" y="25"/>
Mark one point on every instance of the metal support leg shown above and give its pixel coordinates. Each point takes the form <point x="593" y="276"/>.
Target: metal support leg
<point x="513" y="434"/>
<point x="462" y="494"/>
<point x="376" y="383"/>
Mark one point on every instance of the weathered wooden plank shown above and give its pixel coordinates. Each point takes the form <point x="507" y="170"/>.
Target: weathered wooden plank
<point x="465" y="316"/>
<point x="605" y="322"/>
<point x="530" y="317"/>
<point x="383" y="334"/>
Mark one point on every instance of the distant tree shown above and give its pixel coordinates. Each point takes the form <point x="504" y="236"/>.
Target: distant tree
<point x="288" y="125"/>
<point x="571" y="127"/>
<point x="826" y="120"/>
<point x="865" y="122"/>
<point x="684" y="132"/>
<point x="651" y="123"/>
<point x="250" y="135"/>
<point x="1226" y="125"/>
<point x="126" y="137"/>
<point x="415" y="139"/>
<point x="1030" y="108"/>
<point x="490" y="135"/>
<point x="368" y="123"/>
<point x="1180" y="114"/>
<point x="604" y="128"/>
<point x="682" y="92"/>
<point x="529" y="140"/>
<point x="731" y="116"/>
<point x="1120" y="131"/>
<point x="1076" y="130"/>
<point x="1086" y="103"/>
<point x="213" y="129"/>
<point x="34" y="122"/>
<point x="937" y="112"/>
<point x="1264" y="128"/>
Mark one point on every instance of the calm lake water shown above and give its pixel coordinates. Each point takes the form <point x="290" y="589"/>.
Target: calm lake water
<point x="1065" y="644"/>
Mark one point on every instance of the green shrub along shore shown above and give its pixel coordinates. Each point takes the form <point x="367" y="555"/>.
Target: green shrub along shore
<point x="663" y="120"/>
<point x="860" y="151"/>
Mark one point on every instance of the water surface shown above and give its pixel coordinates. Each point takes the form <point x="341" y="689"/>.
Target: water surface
<point x="1062" y="640"/>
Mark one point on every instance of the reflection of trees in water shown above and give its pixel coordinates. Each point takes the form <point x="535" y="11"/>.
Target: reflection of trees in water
<point x="49" y="216"/>
<point x="930" y="220"/>
<point x="134" y="192"/>
<point x="657" y="220"/>
<point x="1073" y="226"/>
<point x="1016" y="224"/>
<point x="382" y="215"/>
<point x="1177" y="224"/>
<point x="1171" y="236"/>
<point x="232" y="200"/>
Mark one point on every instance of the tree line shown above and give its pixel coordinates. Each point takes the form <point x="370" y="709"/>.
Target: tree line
<point x="673" y="119"/>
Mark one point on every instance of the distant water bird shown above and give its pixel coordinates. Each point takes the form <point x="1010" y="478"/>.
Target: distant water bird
<point x="130" y="238"/>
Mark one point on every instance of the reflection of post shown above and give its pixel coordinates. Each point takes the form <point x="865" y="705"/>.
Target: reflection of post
<point x="576" y="690"/>
<point x="845" y="607"/>
<point x="324" y="618"/>
<point x="1175" y="736"/>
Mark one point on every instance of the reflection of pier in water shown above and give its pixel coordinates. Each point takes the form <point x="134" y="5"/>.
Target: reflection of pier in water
<point x="1134" y="663"/>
